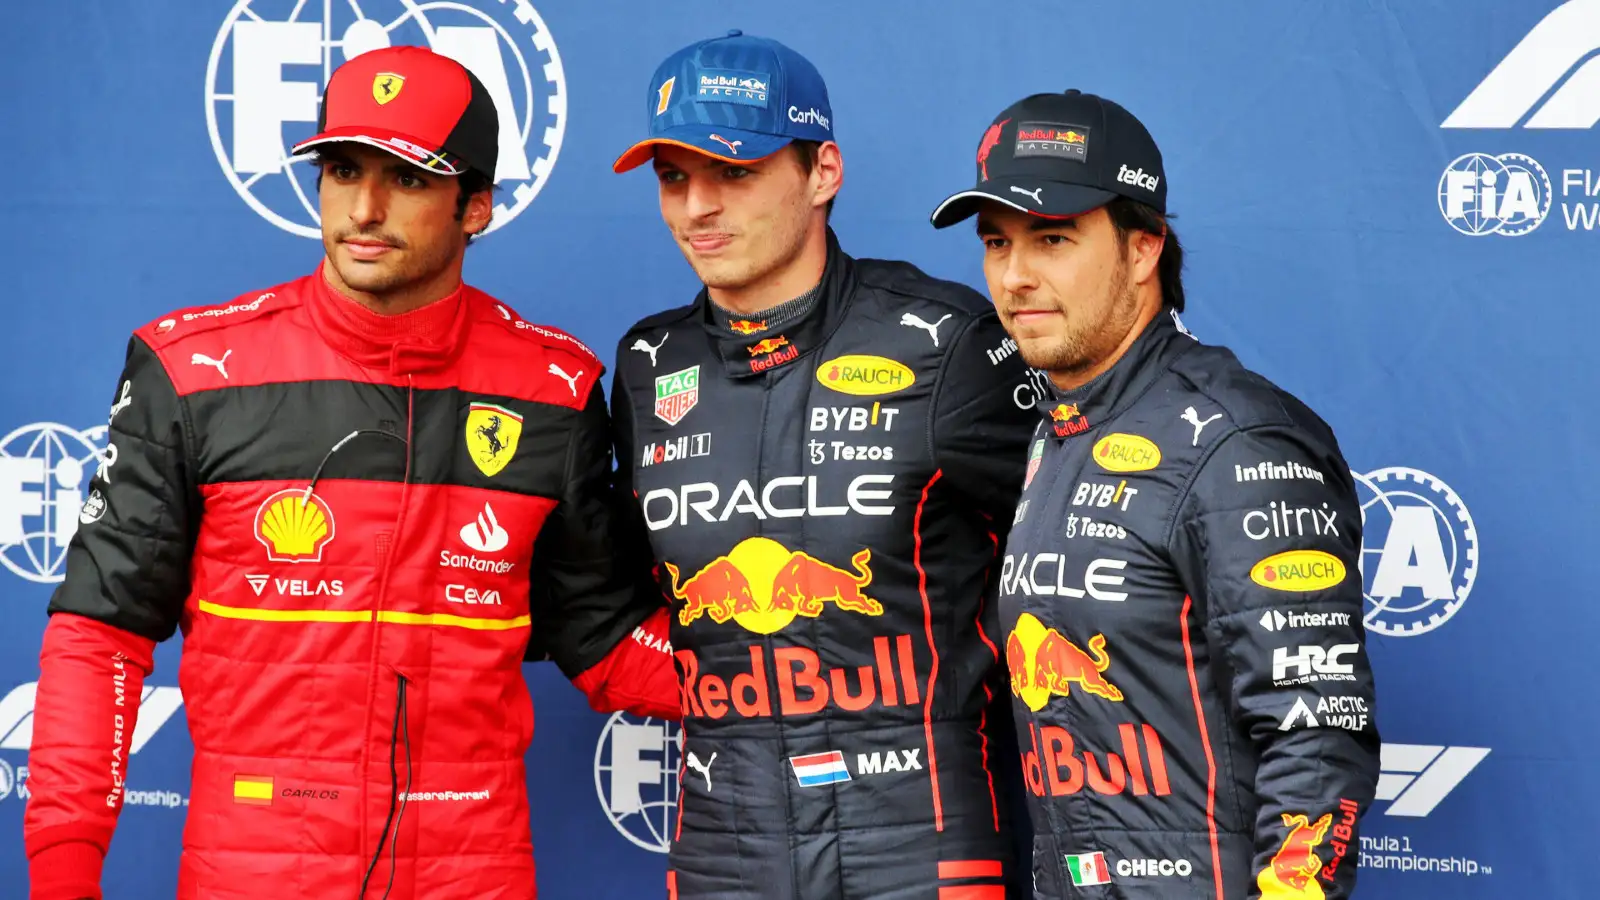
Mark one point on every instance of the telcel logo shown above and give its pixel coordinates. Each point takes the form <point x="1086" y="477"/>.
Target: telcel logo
<point x="1137" y="178"/>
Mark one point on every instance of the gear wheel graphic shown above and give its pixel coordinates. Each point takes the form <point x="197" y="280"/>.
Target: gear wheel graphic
<point x="1388" y="481"/>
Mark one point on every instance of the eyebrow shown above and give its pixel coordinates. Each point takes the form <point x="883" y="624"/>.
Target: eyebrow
<point x="1037" y="223"/>
<point x="706" y="163"/>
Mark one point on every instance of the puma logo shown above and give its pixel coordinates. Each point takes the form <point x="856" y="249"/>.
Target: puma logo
<point x="1193" y="418"/>
<point x="703" y="768"/>
<point x="643" y="346"/>
<point x="200" y="359"/>
<point x="1033" y="193"/>
<point x="571" y="380"/>
<point x="915" y="321"/>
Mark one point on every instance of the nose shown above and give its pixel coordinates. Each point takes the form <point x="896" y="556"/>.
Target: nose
<point x="703" y="198"/>
<point x="371" y="201"/>
<point x="1018" y="277"/>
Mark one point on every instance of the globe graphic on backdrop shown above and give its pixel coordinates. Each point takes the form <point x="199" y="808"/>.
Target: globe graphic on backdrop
<point x="55" y="463"/>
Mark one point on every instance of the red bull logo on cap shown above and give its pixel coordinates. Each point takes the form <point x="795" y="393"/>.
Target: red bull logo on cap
<point x="1045" y="664"/>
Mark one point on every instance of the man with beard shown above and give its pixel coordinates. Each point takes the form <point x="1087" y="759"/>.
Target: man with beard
<point x="365" y="495"/>
<point x="1180" y="595"/>
<point x="826" y="453"/>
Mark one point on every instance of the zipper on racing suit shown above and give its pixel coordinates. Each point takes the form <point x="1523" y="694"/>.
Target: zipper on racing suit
<point x="400" y="733"/>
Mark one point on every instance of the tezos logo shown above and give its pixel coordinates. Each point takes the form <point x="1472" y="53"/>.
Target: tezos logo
<point x="1507" y="194"/>
<point x="1419" y="554"/>
<point x="258" y="106"/>
<point x="636" y="765"/>
<point x="44" y="473"/>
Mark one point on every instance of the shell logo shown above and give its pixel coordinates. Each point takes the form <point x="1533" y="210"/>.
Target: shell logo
<point x="1126" y="453"/>
<point x="294" y="527"/>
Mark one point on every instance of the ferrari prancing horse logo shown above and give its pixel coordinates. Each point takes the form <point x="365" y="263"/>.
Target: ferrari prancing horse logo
<point x="386" y="86"/>
<point x="492" y="433"/>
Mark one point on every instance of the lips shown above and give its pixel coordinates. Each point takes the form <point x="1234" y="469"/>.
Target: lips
<point x="707" y="243"/>
<point x="367" y="250"/>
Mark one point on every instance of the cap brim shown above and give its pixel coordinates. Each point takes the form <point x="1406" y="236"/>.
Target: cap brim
<point x="735" y="146"/>
<point x="405" y="146"/>
<point x="1036" y="197"/>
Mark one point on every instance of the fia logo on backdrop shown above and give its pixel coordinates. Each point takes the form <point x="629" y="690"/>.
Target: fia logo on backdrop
<point x="636" y="767"/>
<point x="272" y="58"/>
<point x="1545" y="82"/>
<point x="45" y="470"/>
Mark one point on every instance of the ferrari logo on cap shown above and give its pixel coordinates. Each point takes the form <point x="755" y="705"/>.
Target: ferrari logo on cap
<point x="492" y="433"/>
<point x="386" y="86"/>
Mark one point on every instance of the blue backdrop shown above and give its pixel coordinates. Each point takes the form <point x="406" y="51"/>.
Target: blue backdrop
<point x="1387" y="208"/>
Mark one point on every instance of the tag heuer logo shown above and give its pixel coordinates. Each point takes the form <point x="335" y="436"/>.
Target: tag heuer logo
<point x="676" y="394"/>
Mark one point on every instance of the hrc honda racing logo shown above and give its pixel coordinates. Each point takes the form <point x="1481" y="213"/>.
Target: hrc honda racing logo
<point x="270" y="62"/>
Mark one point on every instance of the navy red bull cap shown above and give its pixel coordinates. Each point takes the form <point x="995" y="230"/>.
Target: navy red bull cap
<point x="1061" y="155"/>
<point x="737" y="98"/>
<point x="421" y="106"/>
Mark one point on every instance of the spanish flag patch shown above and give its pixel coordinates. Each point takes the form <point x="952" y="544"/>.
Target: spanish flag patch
<point x="253" y="789"/>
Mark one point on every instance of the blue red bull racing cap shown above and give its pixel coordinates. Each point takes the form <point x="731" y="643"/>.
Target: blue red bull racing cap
<point x="738" y="98"/>
<point x="1059" y="156"/>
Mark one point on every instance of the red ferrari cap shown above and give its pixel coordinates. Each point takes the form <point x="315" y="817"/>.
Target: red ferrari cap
<point x="419" y="105"/>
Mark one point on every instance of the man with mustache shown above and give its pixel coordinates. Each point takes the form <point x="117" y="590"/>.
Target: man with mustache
<point x="365" y="496"/>
<point x="1181" y="601"/>
<point x="826" y="453"/>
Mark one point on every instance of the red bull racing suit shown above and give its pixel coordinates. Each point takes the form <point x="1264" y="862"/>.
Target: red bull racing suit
<point x="362" y="525"/>
<point x="1182" y="617"/>
<point x="826" y="500"/>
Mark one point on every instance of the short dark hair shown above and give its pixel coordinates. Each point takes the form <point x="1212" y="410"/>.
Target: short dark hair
<point x="1129" y="215"/>
<point x="806" y="153"/>
<point x="471" y="182"/>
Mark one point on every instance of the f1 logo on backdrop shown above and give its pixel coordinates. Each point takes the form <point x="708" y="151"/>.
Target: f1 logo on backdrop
<point x="156" y="706"/>
<point x="1417" y="777"/>
<point x="636" y="765"/>
<point x="1549" y="80"/>
<point x="272" y="58"/>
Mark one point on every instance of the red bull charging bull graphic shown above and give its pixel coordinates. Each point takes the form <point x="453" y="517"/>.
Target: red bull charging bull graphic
<point x="1293" y="873"/>
<point x="763" y="586"/>
<point x="1044" y="664"/>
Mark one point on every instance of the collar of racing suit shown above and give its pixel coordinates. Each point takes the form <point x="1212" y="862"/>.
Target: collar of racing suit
<point x="749" y="347"/>
<point x="1119" y="387"/>
<point x="426" y="339"/>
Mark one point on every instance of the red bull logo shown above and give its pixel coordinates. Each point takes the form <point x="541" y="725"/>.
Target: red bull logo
<point x="768" y="353"/>
<point x="767" y="345"/>
<point x="746" y="326"/>
<point x="991" y="140"/>
<point x="1068" y="420"/>
<point x="762" y="586"/>
<point x="1053" y="765"/>
<point x="804" y="687"/>
<point x="1045" y="664"/>
<point x="1292" y="875"/>
<point x="1070" y="137"/>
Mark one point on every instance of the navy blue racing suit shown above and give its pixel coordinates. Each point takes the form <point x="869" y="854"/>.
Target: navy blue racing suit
<point x="1181" y="606"/>
<point x="826" y="498"/>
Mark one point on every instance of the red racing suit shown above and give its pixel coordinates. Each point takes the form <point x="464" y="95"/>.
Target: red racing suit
<point x="363" y="525"/>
